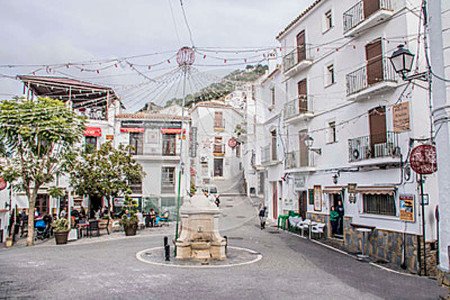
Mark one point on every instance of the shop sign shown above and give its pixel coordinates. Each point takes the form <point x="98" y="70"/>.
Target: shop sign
<point x="352" y="192"/>
<point x="400" y="114"/>
<point x="109" y="137"/>
<point x="423" y="159"/>
<point x="132" y="130"/>
<point x="406" y="207"/>
<point x="299" y="183"/>
<point x="318" y="198"/>
<point x="193" y="142"/>
<point x="93" y="131"/>
<point x="119" y="202"/>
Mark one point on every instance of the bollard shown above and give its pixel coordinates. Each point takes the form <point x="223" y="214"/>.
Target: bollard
<point x="167" y="252"/>
<point x="226" y="244"/>
<point x="166" y="241"/>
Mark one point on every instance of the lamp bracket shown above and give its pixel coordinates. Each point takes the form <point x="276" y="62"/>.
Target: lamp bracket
<point x="424" y="76"/>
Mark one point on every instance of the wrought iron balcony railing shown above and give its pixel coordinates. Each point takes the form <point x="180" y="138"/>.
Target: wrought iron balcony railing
<point x="297" y="159"/>
<point x="296" y="56"/>
<point x="299" y="106"/>
<point x="373" y="146"/>
<point x="356" y="14"/>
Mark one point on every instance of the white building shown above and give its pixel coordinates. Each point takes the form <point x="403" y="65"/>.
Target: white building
<point x="218" y="155"/>
<point x="339" y="93"/>
<point x="156" y="141"/>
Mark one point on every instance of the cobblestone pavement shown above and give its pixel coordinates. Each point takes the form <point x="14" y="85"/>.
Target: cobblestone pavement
<point x="291" y="268"/>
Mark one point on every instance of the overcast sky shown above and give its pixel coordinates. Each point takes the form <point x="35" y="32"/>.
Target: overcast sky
<point x="50" y="32"/>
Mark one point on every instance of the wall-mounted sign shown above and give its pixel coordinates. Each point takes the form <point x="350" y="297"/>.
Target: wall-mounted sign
<point x="110" y="137"/>
<point x="299" y="183"/>
<point x="317" y="198"/>
<point x="426" y="199"/>
<point x="423" y="159"/>
<point x="93" y="131"/>
<point x="132" y="130"/>
<point x="406" y="207"/>
<point x="352" y="192"/>
<point x="193" y="145"/>
<point x="400" y="116"/>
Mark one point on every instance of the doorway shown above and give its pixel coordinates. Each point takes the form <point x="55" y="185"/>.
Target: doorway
<point x="377" y="127"/>
<point x="218" y="167"/>
<point x="95" y="203"/>
<point x="336" y="201"/>
<point x="370" y="7"/>
<point x="374" y="52"/>
<point x="302" y="203"/>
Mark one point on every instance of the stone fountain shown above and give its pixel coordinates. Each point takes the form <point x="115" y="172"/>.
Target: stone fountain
<point x="200" y="238"/>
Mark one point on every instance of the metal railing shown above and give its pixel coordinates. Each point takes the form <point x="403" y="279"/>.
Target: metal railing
<point x="292" y="58"/>
<point x="293" y="160"/>
<point x="355" y="15"/>
<point x="363" y="147"/>
<point x="358" y="79"/>
<point x="298" y="106"/>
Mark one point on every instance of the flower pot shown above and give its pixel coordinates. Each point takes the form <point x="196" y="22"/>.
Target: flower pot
<point x="9" y="242"/>
<point x="130" y="229"/>
<point x="61" y="237"/>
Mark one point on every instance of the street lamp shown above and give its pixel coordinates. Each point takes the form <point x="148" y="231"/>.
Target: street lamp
<point x="402" y="60"/>
<point x="309" y="141"/>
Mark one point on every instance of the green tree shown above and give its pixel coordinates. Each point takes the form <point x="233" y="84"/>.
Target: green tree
<point x="105" y="172"/>
<point x="39" y="136"/>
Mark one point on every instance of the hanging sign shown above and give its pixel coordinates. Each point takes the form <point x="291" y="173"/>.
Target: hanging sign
<point x="400" y="114"/>
<point x="317" y="198"/>
<point x="3" y="184"/>
<point x="109" y="137"/>
<point x="406" y="207"/>
<point x="299" y="183"/>
<point x="232" y="143"/>
<point x="423" y="159"/>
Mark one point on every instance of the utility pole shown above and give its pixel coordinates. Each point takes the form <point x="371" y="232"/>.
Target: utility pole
<point x="440" y="114"/>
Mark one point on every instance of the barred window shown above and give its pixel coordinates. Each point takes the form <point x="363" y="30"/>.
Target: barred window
<point x="379" y="204"/>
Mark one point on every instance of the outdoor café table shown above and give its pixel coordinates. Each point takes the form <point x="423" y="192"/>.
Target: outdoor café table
<point x="310" y="225"/>
<point x="81" y="226"/>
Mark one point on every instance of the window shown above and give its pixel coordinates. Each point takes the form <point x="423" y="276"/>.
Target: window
<point x="379" y="204"/>
<point x="274" y="145"/>
<point x="136" y="186"/>
<point x="218" y="145"/>
<point x="328" y="21"/>
<point x="218" y="120"/>
<point x="272" y="95"/>
<point x="91" y="143"/>
<point x="330" y="76"/>
<point x="238" y="150"/>
<point x="168" y="180"/>
<point x="168" y="144"/>
<point x="137" y="143"/>
<point x="331" y="138"/>
<point x="311" y="197"/>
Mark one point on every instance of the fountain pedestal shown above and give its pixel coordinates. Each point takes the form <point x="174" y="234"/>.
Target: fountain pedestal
<point x="200" y="238"/>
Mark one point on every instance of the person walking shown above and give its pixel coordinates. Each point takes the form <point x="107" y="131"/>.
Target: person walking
<point x="262" y="217"/>
<point x="340" y="211"/>
<point x="334" y="216"/>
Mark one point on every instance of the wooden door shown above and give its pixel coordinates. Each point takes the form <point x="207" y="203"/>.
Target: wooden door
<point x="302" y="96"/>
<point x="274" y="200"/>
<point x="274" y="145"/>
<point x="374" y="62"/>
<point x="370" y="7"/>
<point x="377" y="125"/>
<point x="304" y="155"/>
<point x="302" y="204"/>
<point x="42" y="204"/>
<point x="301" y="47"/>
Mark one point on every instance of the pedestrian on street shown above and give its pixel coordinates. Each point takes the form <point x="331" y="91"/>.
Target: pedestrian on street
<point x="262" y="217"/>
<point x="334" y="217"/>
<point x="63" y="213"/>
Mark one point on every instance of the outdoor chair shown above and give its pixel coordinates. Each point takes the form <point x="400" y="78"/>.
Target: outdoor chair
<point x="93" y="226"/>
<point x="141" y="221"/>
<point x="103" y="225"/>
<point x="293" y="222"/>
<point x="304" y="225"/>
<point x="318" y="229"/>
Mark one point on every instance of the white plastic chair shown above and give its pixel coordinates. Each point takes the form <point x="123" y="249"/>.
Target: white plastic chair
<point x="304" y="225"/>
<point x="293" y="222"/>
<point x="318" y="229"/>
<point x="141" y="221"/>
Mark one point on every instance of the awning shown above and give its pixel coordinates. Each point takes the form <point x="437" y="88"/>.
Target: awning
<point x="332" y="190"/>
<point x="172" y="130"/>
<point x="376" y="190"/>
<point x="132" y="130"/>
<point x="93" y="131"/>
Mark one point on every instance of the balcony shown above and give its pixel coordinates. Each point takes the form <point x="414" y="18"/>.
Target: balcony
<point x="219" y="125"/>
<point x="365" y="147"/>
<point x="269" y="155"/>
<point x="298" y="109"/>
<point x="219" y="150"/>
<point x="371" y="80"/>
<point x="297" y="60"/>
<point x="163" y="153"/>
<point x="299" y="159"/>
<point x="359" y="18"/>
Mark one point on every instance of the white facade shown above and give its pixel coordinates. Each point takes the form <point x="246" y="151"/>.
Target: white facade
<point x="216" y="124"/>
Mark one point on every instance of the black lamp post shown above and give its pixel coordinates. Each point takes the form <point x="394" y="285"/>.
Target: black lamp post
<point x="402" y="60"/>
<point x="309" y="142"/>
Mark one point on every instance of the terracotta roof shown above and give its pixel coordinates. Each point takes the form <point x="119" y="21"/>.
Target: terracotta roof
<point x="62" y="81"/>
<point x="316" y="2"/>
<point x="147" y="116"/>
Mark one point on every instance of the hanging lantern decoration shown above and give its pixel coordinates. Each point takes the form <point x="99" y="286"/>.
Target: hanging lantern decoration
<point x="185" y="56"/>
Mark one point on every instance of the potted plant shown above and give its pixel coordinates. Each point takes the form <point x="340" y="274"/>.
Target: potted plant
<point x="129" y="220"/>
<point x="61" y="230"/>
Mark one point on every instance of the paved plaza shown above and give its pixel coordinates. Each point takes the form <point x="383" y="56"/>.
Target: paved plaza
<point x="290" y="268"/>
